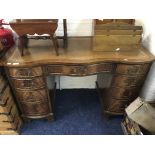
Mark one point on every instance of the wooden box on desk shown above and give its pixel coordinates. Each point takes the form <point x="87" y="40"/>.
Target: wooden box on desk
<point x="115" y="36"/>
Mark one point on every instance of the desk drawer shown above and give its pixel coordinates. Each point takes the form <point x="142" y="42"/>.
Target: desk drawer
<point x="123" y="81"/>
<point x="32" y="96"/>
<point x="25" y="72"/>
<point x="67" y="70"/>
<point x="128" y="93"/>
<point x="29" y="83"/>
<point x="35" y="108"/>
<point x="132" y="69"/>
<point x="79" y="69"/>
<point x="115" y="106"/>
<point x="99" y="68"/>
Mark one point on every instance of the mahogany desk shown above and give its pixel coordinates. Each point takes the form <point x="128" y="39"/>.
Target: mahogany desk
<point x="27" y="75"/>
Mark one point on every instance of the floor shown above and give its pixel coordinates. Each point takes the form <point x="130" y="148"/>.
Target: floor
<point x="77" y="112"/>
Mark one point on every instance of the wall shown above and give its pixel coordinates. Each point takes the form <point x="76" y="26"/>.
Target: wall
<point x="148" y="33"/>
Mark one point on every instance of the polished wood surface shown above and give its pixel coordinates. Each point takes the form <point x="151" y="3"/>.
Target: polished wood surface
<point x="79" y="51"/>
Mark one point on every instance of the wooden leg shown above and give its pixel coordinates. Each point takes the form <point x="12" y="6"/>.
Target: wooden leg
<point x="55" y="43"/>
<point x="107" y="116"/>
<point x="23" y="43"/>
<point x="65" y="32"/>
<point x="26" y="41"/>
<point x="50" y="118"/>
<point x="26" y="120"/>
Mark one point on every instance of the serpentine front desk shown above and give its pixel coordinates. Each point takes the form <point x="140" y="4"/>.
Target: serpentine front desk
<point x="27" y="75"/>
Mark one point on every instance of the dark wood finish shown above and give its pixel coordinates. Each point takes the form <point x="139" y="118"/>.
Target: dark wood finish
<point x="129" y="93"/>
<point x="79" y="70"/>
<point x="115" y="106"/>
<point x="30" y="89"/>
<point x="64" y="37"/>
<point x="35" y="108"/>
<point x="132" y="69"/>
<point x="125" y="86"/>
<point x="25" y="72"/>
<point x="123" y="80"/>
<point x="29" y="83"/>
<point x="128" y="70"/>
<point x="32" y="95"/>
<point x="65" y="32"/>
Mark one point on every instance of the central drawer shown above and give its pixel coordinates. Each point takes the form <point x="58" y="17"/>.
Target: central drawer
<point x="67" y="70"/>
<point x="29" y="83"/>
<point x="32" y="96"/>
<point x="79" y="69"/>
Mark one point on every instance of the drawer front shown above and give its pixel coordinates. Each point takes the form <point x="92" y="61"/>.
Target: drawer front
<point x="123" y="93"/>
<point x="99" y="68"/>
<point x="29" y="83"/>
<point x="35" y="108"/>
<point x="67" y="70"/>
<point x="25" y="72"/>
<point x="123" y="81"/>
<point x="32" y="96"/>
<point x="132" y="69"/>
<point x="79" y="69"/>
<point x="114" y="105"/>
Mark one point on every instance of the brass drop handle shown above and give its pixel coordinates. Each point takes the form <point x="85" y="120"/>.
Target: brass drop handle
<point x="28" y="83"/>
<point x="73" y="70"/>
<point x="81" y="69"/>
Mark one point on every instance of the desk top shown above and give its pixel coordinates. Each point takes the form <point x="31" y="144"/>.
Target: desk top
<point x="79" y="51"/>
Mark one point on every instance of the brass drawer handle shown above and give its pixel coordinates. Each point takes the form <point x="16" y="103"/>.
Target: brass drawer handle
<point x="73" y="71"/>
<point x="28" y="83"/>
<point x="24" y="72"/>
<point x="78" y="70"/>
